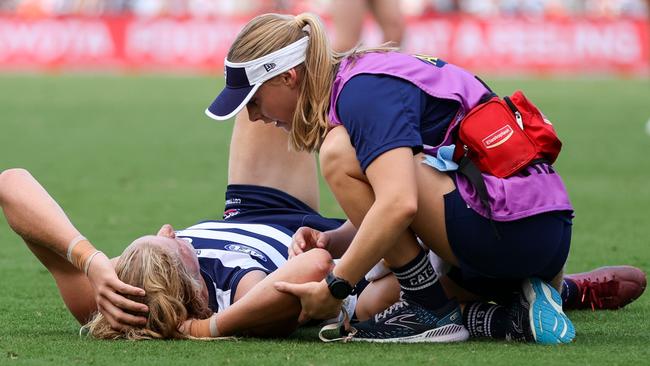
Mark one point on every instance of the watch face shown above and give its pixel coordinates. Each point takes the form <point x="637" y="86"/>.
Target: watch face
<point x="339" y="288"/>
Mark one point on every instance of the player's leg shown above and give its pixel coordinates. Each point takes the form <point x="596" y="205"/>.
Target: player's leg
<point x="347" y="16"/>
<point x="390" y="18"/>
<point x="610" y="287"/>
<point x="260" y="155"/>
<point x="265" y="312"/>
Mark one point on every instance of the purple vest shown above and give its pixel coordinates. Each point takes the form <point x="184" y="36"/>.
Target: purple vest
<point x="510" y="199"/>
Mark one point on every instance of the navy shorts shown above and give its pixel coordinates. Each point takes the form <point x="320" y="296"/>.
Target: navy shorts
<point x="264" y="205"/>
<point x="535" y="246"/>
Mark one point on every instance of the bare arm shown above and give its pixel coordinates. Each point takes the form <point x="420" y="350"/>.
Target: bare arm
<point x="392" y="176"/>
<point x="383" y="232"/>
<point x="34" y="215"/>
<point x="262" y="311"/>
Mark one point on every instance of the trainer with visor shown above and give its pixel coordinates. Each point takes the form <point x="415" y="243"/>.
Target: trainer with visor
<point x="383" y="123"/>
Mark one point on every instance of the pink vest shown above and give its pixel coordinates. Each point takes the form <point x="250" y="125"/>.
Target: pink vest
<point x="510" y="199"/>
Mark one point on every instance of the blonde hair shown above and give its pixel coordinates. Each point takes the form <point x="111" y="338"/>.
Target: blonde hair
<point x="172" y="295"/>
<point x="270" y="32"/>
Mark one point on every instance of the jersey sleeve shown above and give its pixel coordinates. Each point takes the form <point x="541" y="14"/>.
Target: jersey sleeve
<point x="381" y="113"/>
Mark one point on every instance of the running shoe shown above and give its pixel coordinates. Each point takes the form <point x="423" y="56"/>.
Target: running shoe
<point x="610" y="287"/>
<point x="408" y="322"/>
<point x="519" y="327"/>
<point x="548" y="323"/>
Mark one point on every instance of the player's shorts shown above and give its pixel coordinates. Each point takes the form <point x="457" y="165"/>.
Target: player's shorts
<point x="264" y="205"/>
<point x="536" y="246"/>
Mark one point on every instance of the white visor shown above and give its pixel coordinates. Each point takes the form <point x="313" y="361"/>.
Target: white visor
<point x="244" y="78"/>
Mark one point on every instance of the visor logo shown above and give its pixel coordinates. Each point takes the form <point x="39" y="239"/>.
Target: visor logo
<point x="270" y="66"/>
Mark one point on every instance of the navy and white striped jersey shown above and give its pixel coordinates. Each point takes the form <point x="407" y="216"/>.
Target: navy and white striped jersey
<point x="228" y="250"/>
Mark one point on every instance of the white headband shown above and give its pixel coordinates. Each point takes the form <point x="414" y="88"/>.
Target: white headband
<point x="273" y="64"/>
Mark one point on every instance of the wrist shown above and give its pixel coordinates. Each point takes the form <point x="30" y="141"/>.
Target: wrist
<point x="338" y="287"/>
<point x="81" y="252"/>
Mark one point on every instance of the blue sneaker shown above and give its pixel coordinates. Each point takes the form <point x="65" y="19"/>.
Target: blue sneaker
<point x="548" y="323"/>
<point x="408" y="322"/>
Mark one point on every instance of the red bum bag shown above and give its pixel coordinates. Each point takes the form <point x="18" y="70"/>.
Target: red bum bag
<point x="503" y="136"/>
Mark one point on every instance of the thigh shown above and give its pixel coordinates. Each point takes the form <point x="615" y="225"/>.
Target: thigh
<point x="429" y="223"/>
<point x="259" y="155"/>
<point x="534" y="246"/>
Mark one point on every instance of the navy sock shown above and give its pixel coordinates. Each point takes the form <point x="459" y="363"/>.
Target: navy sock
<point x="570" y="292"/>
<point x="419" y="282"/>
<point x="484" y="320"/>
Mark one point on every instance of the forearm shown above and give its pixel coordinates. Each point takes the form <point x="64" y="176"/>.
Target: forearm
<point x="383" y="228"/>
<point x="33" y="214"/>
<point x="340" y="239"/>
<point x="264" y="311"/>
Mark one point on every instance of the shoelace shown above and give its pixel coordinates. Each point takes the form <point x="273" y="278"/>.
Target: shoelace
<point x="592" y="291"/>
<point x="396" y="306"/>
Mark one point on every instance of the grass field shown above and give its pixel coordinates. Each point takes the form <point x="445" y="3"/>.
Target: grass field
<point x="125" y="154"/>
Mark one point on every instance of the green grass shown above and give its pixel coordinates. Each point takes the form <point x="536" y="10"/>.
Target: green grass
<point x="125" y="154"/>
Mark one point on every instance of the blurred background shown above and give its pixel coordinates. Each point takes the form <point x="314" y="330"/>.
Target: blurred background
<point x="502" y="37"/>
<point x="103" y="102"/>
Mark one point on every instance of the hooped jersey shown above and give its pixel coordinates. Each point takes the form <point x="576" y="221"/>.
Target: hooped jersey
<point x="229" y="250"/>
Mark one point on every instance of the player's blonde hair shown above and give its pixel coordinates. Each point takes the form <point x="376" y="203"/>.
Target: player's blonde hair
<point x="172" y="294"/>
<point x="270" y="32"/>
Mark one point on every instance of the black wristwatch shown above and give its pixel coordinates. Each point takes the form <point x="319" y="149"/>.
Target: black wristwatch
<point x="339" y="288"/>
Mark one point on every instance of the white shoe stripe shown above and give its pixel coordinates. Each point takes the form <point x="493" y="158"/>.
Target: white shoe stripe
<point x="549" y="296"/>
<point x="566" y="328"/>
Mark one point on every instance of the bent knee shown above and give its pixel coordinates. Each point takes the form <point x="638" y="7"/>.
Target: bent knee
<point x="320" y="263"/>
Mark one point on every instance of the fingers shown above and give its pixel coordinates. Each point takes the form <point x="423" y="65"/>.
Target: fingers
<point x="124" y="303"/>
<point x="126" y="289"/>
<point x="118" y="319"/>
<point x="323" y="241"/>
<point x="303" y="317"/>
<point x="295" y="289"/>
<point x="167" y="231"/>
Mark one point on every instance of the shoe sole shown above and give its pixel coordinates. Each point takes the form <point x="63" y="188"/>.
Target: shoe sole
<point x="548" y="322"/>
<point x="444" y="334"/>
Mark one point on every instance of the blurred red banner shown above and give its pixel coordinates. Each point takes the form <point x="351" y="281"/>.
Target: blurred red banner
<point x="502" y="45"/>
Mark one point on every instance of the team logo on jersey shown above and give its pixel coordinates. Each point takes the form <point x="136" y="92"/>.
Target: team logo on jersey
<point x="241" y="248"/>
<point x="230" y="213"/>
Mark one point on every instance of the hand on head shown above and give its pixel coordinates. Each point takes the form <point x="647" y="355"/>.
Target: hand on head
<point x="110" y="295"/>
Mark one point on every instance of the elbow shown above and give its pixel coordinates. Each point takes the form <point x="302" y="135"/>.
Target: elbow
<point x="10" y="178"/>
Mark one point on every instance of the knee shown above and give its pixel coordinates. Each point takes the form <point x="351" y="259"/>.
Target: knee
<point x="338" y="160"/>
<point x="320" y="263"/>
